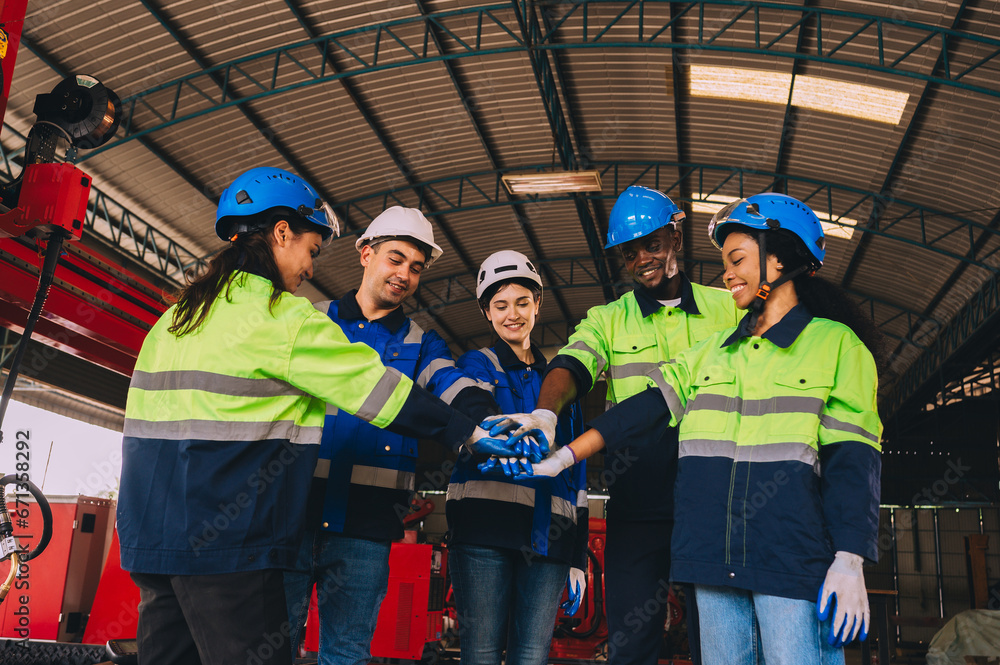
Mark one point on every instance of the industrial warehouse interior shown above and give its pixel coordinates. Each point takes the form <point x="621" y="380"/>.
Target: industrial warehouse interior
<point x="510" y="125"/>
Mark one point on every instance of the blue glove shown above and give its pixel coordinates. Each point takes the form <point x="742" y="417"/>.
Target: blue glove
<point x="512" y="467"/>
<point x="482" y="443"/>
<point x="531" y="444"/>
<point x="843" y="597"/>
<point x="576" y="586"/>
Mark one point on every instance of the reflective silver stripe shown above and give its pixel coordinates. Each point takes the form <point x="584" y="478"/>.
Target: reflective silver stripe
<point x="322" y="468"/>
<point x="460" y="384"/>
<point x="213" y="430"/>
<point x="631" y="369"/>
<point x="582" y="346"/>
<point x="375" y="476"/>
<point x="830" y="422"/>
<point x="765" y="452"/>
<point x="757" y="407"/>
<point x="331" y="410"/>
<point x="220" y="384"/>
<point x="507" y="492"/>
<point x="581" y="499"/>
<point x="432" y="368"/>
<point x="381" y="394"/>
<point x="493" y="358"/>
<point x="323" y="306"/>
<point x="669" y="394"/>
<point x="415" y="335"/>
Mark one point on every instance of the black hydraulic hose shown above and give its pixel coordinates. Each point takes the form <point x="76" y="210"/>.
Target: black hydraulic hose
<point x="52" y="252"/>
<point x="43" y="505"/>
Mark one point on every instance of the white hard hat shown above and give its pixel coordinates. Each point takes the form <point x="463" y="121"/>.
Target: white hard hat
<point x="401" y="222"/>
<point x="502" y="266"/>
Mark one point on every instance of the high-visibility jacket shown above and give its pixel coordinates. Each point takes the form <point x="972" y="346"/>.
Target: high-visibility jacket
<point x="625" y="339"/>
<point x="222" y="427"/>
<point x="779" y="453"/>
<point x="537" y="516"/>
<point x="365" y="475"/>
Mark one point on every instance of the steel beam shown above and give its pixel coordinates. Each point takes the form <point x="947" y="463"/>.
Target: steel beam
<point x="548" y="90"/>
<point x="915" y="225"/>
<point x="189" y="97"/>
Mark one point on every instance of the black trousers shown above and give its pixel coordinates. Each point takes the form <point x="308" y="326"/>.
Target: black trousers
<point x="229" y="619"/>
<point x="637" y="574"/>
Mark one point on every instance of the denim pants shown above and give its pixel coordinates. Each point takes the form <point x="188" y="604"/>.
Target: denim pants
<point x="740" y="627"/>
<point x="505" y="598"/>
<point x="351" y="577"/>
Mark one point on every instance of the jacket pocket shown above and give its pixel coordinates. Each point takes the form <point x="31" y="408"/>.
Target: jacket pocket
<point x="796" y="407"/>
<point x="712" y="408"/>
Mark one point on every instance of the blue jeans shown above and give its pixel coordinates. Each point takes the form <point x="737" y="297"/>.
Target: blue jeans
<point x="505" y="597"/>
<point x="740" y="627"/>
<point x="351" y="577"/>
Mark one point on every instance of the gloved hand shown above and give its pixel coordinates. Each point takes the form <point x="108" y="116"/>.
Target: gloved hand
<point x="481" y="443"/>
<point x="576" y="587"/>
<point x="843" y="594"/>
<point x="512" y="467"/>
<point x="540" y="424"/>
<point x="555" y="463"/>
<point x="525" y="445"/>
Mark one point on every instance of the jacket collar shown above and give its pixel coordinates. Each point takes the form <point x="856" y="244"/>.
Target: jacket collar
<point x="350" y="310"/>
<point x="648" y="304"/>
<point x="510" y="361"/>
<point x="782" y="334"/>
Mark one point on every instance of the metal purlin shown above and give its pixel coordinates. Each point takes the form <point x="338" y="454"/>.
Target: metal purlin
<point x="549" y="92"/>
<point x="394" y="154"/>
<point x="171" y="107"/>
<point x="522" y="219"/>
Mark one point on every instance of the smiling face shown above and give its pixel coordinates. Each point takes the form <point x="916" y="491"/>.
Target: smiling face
<point x="392" y="272"/>
<point x="741" y="260"/>
<point x="512" y="313"/>
<point x="651" y="261"/>
<point x="294" y="254"/>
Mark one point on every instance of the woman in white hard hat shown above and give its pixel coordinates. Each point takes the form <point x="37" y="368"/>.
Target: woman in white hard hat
<point x="514" y="545"/>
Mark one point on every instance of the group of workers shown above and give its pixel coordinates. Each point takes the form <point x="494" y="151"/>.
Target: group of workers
<point x="270" y="444"/>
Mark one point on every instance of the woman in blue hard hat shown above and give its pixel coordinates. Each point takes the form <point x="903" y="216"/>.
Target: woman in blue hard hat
<point x="514" y="546"/>
<point x="777" y="489"/>
<point x="222" y="425"/>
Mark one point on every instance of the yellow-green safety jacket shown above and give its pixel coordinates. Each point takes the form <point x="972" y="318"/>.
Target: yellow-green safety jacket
<point x="779" y="453"/>
<point x="625" y="339"/>
<point x="222" y="427"/>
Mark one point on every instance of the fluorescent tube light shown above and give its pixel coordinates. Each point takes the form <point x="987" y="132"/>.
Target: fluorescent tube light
<point x="553" y="182"/>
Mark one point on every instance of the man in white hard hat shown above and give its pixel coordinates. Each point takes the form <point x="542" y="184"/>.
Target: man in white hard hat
<point x="363" y="480"/>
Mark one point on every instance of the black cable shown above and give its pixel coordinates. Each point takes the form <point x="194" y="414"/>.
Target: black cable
<point x="43" y="505"/>
<point x="52" y="252"/>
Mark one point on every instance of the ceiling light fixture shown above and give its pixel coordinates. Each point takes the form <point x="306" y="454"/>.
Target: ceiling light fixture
<point x="818" y="93"/>
<point x="552" y="182"/>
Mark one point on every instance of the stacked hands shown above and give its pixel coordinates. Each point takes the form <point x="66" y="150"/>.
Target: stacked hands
<point x="521" y="444"/>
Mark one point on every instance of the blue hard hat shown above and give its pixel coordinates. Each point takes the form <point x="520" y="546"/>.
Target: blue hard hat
<point x="770" y="211"/>
<point x="638" y="212"/>
<point x="262" y="194"/>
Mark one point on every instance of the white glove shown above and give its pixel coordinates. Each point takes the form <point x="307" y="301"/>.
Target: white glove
<point x="542" y="420"/>
<point x="576" y="587"/>
<point x="843" y="593"/>
<point x="555" y="463"/>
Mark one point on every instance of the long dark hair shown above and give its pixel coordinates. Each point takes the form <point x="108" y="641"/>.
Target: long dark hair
<point x="250" y="252"/>
<point x="822" y="298"/>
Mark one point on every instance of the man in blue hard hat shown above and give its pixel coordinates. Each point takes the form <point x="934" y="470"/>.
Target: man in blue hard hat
<point x="663" y="315"/>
